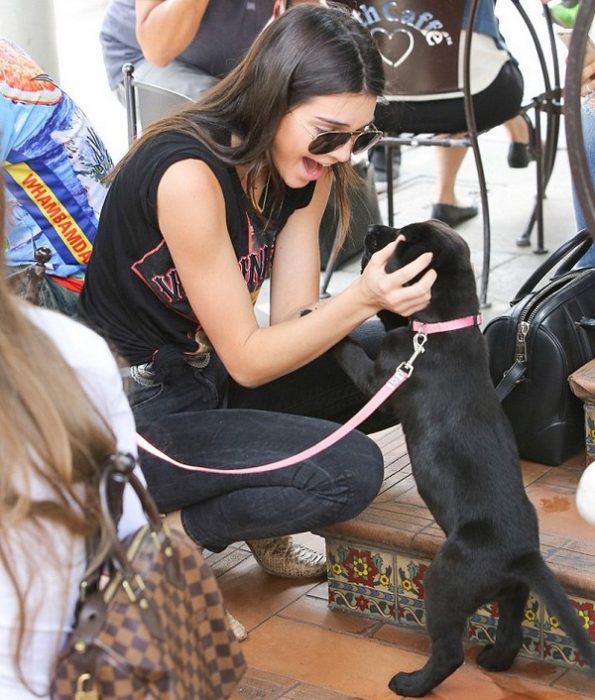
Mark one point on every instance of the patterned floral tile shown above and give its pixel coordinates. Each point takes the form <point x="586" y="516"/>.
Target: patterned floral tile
<point x="361" y="580"/>
<point x="389" y="587"/>
<point x="481" y="627"/>
<point x="483" y="624"/>
<point x="557" y="646"/>
<point x="533" y="628"/>
<point x="410" y="590"/>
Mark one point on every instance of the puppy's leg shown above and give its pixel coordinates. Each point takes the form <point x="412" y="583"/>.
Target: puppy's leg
<point x="509" y="634"/>
<point x="446" y="613"/>
<point x="356" y="364"/>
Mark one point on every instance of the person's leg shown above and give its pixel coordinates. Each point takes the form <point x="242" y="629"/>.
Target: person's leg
<point x="219" y="509"/>
<point x="446" y="206"/>
<point x="588" y="122"/>
<point x="518" y="129"/>
<point x="448" y="164"/>
<point x="499" y="102"/>
<point x="175" y="412"/>
<point x="176" y="76"/>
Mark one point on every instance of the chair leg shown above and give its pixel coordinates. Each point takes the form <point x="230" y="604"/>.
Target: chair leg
<point x="540" y="193"/>
<point x="485" y="214"/>
<point x="131" y="107"/>
<point x="330" y="264"/>
<point x="544" y="161"/>
<point x="390" y="182"/>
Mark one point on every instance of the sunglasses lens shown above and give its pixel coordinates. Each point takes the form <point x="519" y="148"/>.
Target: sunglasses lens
<point x="328" y="142"/>
<point x="365" y="140"/>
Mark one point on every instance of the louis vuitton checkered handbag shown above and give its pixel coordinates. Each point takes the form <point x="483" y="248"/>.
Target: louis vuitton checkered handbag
<point x="155" y="628"/>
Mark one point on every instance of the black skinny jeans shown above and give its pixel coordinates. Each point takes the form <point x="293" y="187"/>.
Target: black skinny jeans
<point x="201" y="417"/>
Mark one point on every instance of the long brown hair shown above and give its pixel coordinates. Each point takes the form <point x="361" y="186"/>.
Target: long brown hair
<point x="51" y="435"/>
<point x="309" y="51"/>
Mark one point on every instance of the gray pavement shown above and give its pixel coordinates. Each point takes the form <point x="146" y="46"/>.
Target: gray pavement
<point x="511" y="192"/>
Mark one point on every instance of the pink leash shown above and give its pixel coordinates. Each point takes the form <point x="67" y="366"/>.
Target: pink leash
<point x="401" y="374"/>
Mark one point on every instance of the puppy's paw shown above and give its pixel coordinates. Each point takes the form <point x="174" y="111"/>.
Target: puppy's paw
<point x="585" y="494"/>
<point x="409" y="685"/>
<point x="493" y="659"/>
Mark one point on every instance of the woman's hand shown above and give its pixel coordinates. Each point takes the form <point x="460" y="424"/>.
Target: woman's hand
<point x="388" y="290"/>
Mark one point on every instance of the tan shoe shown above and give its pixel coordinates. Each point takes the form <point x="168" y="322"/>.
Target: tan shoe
<point x="236" y="626"/>
<point x="280" y="556"/>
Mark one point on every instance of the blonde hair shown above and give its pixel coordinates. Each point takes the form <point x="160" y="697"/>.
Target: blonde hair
<point x="51" y="435"/>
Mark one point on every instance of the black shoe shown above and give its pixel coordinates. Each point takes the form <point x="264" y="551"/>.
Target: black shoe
<point x="451" y="214"/>
<point x="378" y="160"/>
<point x="520" y="155"/>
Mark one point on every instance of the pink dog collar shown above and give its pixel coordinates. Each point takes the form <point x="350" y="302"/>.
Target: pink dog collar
<point x="442" y="326"/>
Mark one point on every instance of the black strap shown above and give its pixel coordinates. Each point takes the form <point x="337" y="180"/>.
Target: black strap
<point x="513" y="376"/>
<point x="574" y="248"/>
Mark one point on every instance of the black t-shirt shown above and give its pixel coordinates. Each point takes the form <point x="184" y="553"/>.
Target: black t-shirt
<point x="132" y="293"/>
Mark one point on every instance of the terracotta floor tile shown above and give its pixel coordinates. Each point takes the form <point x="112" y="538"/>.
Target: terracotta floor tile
<point x="355" y="666"/>
<point x="561" y="478"/>
<point x="262" y="685"/>
<point x="557" y="512"/>
<point x="319" y="591"/>
<point x="311" y="692"/>
<point x="224" y="561"/>
<point x="583" y="546"/>
<point x="577" y="681"/>
<point x="315" y="611"/>
<point x="404" y="637"/>
<point x="533" y="472"/>
<point x="253" y="596"/>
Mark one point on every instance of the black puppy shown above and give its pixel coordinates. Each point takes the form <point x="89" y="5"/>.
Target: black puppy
<point x="465" y="464"/>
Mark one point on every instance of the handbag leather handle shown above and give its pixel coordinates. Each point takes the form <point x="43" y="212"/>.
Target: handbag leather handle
<point x="574" y="248"/>
<point x="120" y="470"/>
<point x="513" y="376"/>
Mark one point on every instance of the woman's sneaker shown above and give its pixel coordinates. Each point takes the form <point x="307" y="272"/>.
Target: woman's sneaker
<point x="281" y="556"/>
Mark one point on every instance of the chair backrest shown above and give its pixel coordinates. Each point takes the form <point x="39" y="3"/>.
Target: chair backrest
<point x="419" y="43"/>
<point x="146" y="103"/>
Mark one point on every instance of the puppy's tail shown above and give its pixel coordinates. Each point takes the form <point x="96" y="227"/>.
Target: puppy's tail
<point x="535" y="573"/>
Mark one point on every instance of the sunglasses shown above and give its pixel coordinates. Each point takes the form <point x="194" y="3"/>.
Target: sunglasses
<point x="329" y="141"/>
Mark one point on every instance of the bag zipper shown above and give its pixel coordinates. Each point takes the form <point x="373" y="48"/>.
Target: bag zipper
<point x="529" y="312"/>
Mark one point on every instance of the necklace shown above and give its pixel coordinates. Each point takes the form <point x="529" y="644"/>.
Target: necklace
<point x="265" y="193"/>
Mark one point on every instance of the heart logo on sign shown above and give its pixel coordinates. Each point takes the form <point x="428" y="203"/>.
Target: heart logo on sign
<point x="397" y="45"/>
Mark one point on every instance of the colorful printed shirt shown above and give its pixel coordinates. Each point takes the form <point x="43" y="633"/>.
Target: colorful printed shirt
<point x="53" y="162"/>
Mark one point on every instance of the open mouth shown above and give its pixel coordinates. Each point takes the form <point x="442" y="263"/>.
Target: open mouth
<point x="313" y="169"/>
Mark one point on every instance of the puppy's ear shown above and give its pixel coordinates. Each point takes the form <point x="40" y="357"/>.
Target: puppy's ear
<point x="378" y="237"/>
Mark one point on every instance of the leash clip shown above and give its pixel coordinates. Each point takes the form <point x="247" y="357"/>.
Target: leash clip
<point x="419" y="340"/>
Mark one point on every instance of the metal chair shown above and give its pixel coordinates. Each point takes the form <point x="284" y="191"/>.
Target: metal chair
<point x="146" y="103"/>
<point x="548" y="103"/>
<point x="421" y="48"/>
<point x="424" y="79"/>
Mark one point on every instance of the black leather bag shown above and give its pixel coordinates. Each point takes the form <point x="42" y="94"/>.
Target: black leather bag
<point x="546" y="335"/>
